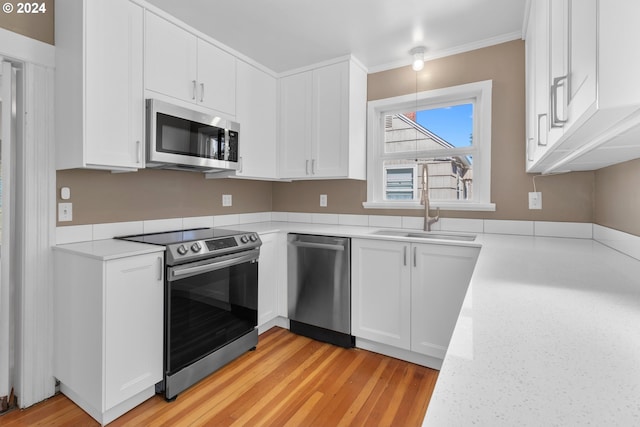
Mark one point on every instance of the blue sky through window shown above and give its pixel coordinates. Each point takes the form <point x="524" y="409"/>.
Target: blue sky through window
<point x="453" y="124"/>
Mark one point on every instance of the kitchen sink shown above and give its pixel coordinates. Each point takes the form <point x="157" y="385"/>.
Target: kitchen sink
<point x="430" y="235"/>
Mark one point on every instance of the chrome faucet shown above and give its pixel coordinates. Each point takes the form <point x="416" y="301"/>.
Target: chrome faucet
<point x="425" y="200"/>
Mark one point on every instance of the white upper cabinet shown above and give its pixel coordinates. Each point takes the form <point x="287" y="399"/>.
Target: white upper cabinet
<point x="99" y="103"/>
<point x="216" y="78"/>
<point x="580" y="57"/>
<point x="295" y="125"/>
<point x="256" y="113"/>
<point x="180" y="65"/>
<point x="323" y="122"/>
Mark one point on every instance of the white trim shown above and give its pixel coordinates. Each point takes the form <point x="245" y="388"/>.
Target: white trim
<point x="36" y="182"/>
<point x="449" y="206"/>
<point x="515" y="227"/>
<point x="25" y="49"/>
<point x="578" y="230"/>
<point x="626" y="243"/>
<point x="88" y="232"/>
<point x="7" y="317"/>
<point x="492" y="41"/>
<point x="479" y="93"/>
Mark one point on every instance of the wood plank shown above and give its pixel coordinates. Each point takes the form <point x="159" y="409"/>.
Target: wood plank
<point x="289" y="380"/>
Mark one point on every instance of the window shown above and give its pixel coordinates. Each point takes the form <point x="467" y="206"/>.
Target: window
<point x="400" y="182"/>
<point x="448" y="131"/>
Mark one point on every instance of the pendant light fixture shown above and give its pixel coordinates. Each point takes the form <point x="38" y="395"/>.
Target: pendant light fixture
<point x="418" y="57"/>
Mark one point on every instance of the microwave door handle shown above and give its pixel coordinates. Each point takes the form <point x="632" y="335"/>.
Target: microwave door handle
<point x="226" y="144"/>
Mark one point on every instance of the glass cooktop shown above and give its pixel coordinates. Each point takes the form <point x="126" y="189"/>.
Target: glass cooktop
<point x="181" y="236"/>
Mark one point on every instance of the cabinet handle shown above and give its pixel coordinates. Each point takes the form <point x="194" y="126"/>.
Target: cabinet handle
<point x="313" y="166"/>
<point x="540" y="144"/>
<point x="160" y="268"/>
<point x="240" y="164"/>
<point x="201" y="92"/>
<point x="193" y="94"/>
<point x="415" y="256"/>
<point x="306" y="167"/>
<point x="529" y="144"/>
<point x="558" y="82"/>
<point x="138" y="152"/>
<point x="405" y="255"/>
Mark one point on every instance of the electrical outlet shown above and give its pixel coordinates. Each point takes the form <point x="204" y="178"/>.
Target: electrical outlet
<point x="227" y="200"/>
<point x="65" y="212"/>
<point x="323" y="200"/>
<point x="535" y="200"/>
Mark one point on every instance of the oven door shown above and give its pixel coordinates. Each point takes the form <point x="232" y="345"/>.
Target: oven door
<point x="209" y="303"/>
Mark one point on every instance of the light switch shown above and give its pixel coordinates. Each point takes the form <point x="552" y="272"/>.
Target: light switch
<point x="65" y="212"/>
<point x="227" y="200"/>
<point x="323" y="200"/>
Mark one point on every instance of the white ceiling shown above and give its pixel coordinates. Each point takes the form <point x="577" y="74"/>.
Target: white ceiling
<point x="288" y="34"/>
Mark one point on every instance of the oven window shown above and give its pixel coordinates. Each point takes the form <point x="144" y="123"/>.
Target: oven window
<point x="209" y="310"/>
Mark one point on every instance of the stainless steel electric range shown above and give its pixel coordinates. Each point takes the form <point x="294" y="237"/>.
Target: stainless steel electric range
<point x="211" y="301"/>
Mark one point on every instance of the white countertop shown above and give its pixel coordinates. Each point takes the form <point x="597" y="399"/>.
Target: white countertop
<point x="549" y="332"/>
<point x="107" y="249"/>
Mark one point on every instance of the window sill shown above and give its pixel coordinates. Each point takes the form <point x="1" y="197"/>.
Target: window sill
<point x="445" y="206"/>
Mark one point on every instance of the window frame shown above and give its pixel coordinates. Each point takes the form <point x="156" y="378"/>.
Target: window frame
<point x="414" y="178"/>
<point x="477" y="93"/>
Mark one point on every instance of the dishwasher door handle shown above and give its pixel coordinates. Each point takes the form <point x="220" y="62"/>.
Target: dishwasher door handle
<point x="326" y="246"/>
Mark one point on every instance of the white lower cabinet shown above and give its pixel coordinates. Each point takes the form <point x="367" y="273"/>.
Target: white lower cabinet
<point x="381" y="292"/>
<point x="408" y="295"/>
<point x="439" y="280"/>
<point x="108" y="330"/>
<point x="272" y="291"/>
<point x="267" y="279"/>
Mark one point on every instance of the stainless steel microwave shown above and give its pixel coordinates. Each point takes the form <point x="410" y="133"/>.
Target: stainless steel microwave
<point x="184" y="139"/>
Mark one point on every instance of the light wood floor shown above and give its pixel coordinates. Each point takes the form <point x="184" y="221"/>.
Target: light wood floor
<point x="288" y="381"/>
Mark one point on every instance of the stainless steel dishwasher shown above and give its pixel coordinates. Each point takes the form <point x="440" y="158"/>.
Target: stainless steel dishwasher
<point x="319" y="287"/>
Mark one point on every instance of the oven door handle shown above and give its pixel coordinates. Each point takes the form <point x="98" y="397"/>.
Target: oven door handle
<point x="180" y="272"/>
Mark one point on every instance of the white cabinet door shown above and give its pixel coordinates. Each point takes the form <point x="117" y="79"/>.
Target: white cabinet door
<point x="99" y="85"/>
<point x="439" y="282"/>
<point x="134" y="295"/>
<point x="381" y="292"/>
<point x="216" y="79"/>
<point x="268" y="278"/>
<point x="170" y="59"/>
<point x="537" y="51"/>
<point x="582" y="61"/>
<point x="330" y="124"/>
<point x="322" y="122"/>
<point x="113" y="111"/>
<point x="295" y="125"/>
<point x="256" y="113"/>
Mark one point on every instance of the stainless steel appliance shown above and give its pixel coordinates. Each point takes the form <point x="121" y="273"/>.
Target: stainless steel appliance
<point x="179" y="138"/>
<point x="211" y="301"/>
<point x="319" y="287"/>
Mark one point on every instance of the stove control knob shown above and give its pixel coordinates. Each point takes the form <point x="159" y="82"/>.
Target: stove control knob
<point x="182" y="249"/>
<point x="244" y="239"/>
<point x="196" y="247"/>
<point x="253" y="237"/>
